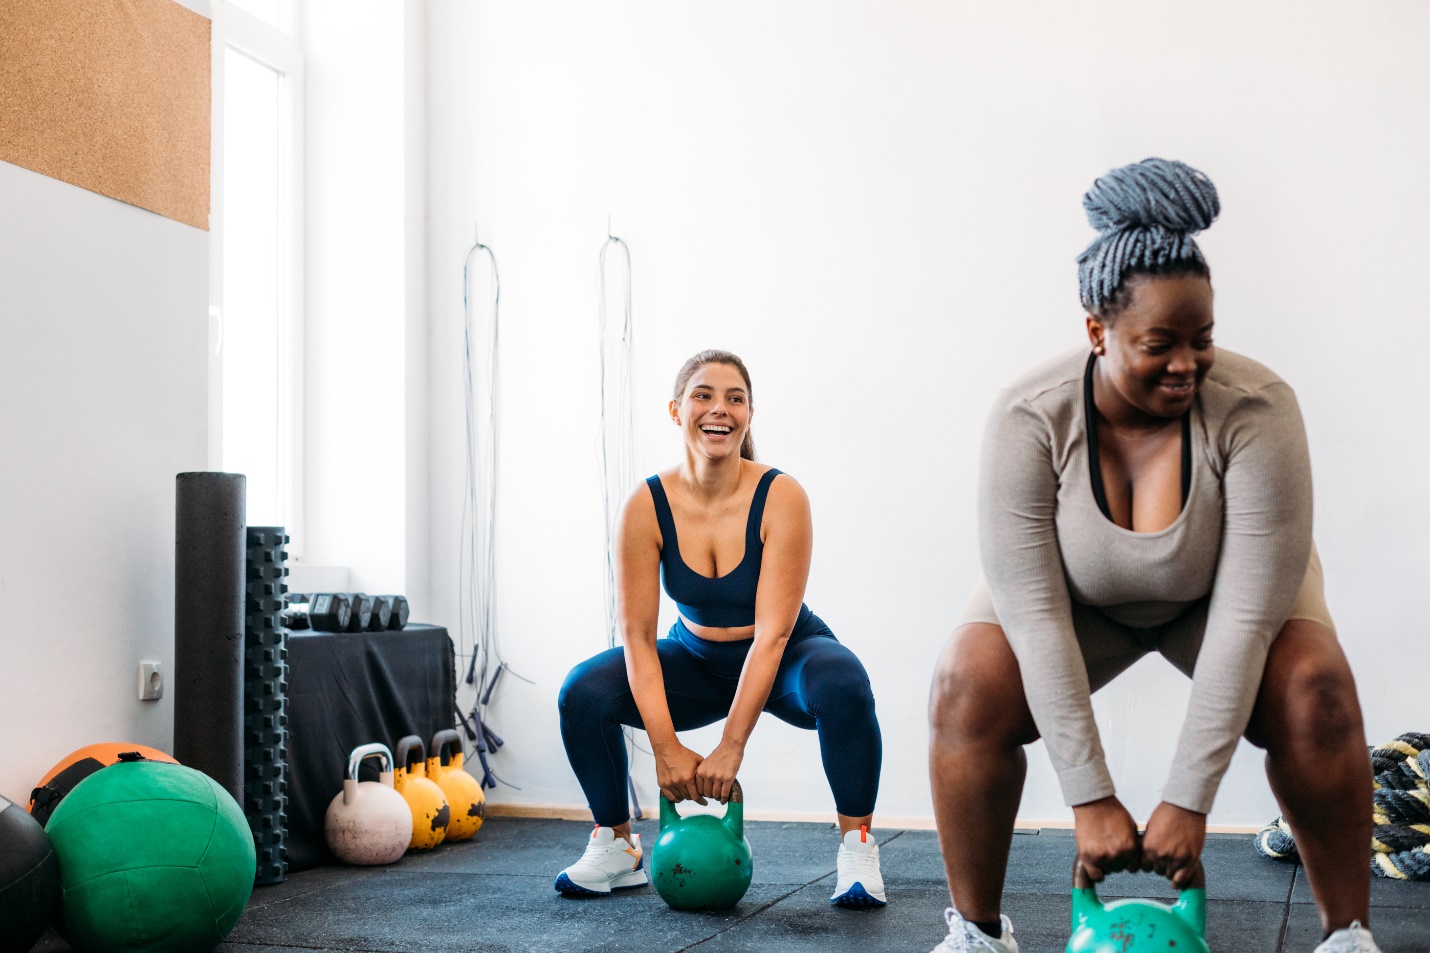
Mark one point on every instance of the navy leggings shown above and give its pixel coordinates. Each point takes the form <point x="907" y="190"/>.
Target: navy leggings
<point x="820" y="684"/>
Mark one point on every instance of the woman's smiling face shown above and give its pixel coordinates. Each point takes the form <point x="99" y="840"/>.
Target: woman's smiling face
<point x="1156" y="352"/>
<point x="714" y="412"/>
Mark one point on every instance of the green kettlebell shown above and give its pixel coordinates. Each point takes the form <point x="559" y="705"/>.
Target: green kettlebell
<point x="702" y="862"/>
<point x="1138" y="926"/>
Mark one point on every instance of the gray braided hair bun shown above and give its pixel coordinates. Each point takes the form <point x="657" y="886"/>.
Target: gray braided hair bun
<point x="1147" y="213"/>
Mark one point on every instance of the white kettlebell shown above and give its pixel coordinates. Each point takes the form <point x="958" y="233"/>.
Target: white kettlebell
<point x="368" y="822"/>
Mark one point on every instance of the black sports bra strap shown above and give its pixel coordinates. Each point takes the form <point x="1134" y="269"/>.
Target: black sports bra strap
<point x="757" y="507"/>
<point x="663" y="517"/>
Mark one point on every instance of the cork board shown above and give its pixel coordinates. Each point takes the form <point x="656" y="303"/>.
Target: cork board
<point x="112" y="96"/>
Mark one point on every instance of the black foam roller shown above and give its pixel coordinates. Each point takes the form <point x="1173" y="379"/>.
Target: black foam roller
<point x="208" y="625"/>
<point x="265" y="691"/>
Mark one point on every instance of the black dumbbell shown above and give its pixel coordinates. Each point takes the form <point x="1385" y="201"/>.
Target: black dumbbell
<point x="381" y="614"/>
<point x="361" y="616"/>
<point x="320" y="611"/>
<point x="398" y="619"/>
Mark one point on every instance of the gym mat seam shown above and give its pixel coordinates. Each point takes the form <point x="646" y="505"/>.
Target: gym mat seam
<point x="351" y="877"/>
<point x="1286" y="910"/>
<point x="269" y="945"/>
<point x="780" y="899"/>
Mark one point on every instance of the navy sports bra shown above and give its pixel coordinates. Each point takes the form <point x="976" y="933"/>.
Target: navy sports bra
<point x="723" y="602"/>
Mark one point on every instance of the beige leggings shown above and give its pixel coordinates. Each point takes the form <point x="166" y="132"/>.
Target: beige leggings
<point x="1109" y="647"/>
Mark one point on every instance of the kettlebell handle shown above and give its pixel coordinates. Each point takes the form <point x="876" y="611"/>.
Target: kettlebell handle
<point x="405" y="747"/>
<point x="374" y="750"/>
<point x="442" y="742"/>
<point x="1081" y="881"/>
<point x="734" y="818"/>
<point x="737" y="795"/>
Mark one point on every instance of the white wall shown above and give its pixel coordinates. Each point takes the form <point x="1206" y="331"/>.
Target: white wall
<point x="877" y="206"/>
<point x="103" y="326"/>
<point x="365" y="336"/>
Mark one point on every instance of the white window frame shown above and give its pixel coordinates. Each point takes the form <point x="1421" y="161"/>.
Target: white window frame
<point x="281" y="50"/>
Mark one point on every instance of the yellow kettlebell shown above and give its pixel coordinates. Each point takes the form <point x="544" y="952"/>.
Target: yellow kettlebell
<point x="464" y="794"/>
<point x="430" y="811"/>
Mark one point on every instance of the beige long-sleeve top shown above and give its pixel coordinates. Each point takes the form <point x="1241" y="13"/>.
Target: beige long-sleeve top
<point x="1243" y="536"/>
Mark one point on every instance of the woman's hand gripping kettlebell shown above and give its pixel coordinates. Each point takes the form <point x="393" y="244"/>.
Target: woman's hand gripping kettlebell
<point x="1172" y="845"/>
<point x="716" y="774"/>
<point x="675" y="769"/>
<point x="1107" y="838"/>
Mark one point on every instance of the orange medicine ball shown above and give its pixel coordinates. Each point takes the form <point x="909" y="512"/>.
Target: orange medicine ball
<point x="78" y="765"/>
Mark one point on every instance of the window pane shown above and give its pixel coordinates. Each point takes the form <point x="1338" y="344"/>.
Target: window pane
<point x="269" y="11"/>
<point x="251" y="305"/>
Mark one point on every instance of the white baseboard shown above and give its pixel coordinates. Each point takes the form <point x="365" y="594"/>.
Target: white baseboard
<point x="889" y="822"/>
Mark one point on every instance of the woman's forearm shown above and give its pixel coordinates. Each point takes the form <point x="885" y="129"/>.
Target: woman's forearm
<point x="756" y="680"/>
<point x="648" y="689"/>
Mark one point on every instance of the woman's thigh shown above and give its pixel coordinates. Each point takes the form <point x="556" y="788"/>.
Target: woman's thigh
<point x="977" y="690"/>
<point x="1307" y="689"/>
<point x="814" y="671"/>
<point x="599" y="687"/>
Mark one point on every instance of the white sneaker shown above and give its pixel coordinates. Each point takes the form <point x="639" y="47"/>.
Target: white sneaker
<point x="1352" y="939"/>
<point x="860" y="883"/>
<point x="608" y="864"/>
<point x="964" y="937"/>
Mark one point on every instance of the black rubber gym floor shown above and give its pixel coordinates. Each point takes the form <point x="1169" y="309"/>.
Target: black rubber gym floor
<point x="493" y="894"/>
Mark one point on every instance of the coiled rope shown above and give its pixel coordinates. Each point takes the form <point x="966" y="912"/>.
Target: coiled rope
<point x="1400" y="843"/>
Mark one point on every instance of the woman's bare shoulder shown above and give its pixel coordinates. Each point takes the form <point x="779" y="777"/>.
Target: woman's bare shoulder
<point x="787" y="495"/>
<point x="638" y="513"/>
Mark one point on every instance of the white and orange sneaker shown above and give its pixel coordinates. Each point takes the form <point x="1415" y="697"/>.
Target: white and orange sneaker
<point x="608" y="864"/>
<point x="860" y="884"/>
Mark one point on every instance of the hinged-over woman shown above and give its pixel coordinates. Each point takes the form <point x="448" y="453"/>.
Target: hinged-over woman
<point x="731" y="539"/>
<point x="1147" y="493"/>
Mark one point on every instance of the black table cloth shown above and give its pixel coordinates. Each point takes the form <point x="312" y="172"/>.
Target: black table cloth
<point x="350" y="689"/>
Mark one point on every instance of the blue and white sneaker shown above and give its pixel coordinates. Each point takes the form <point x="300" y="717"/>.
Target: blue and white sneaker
<point x="860" y="884"/>
<point x="608" y="864"/>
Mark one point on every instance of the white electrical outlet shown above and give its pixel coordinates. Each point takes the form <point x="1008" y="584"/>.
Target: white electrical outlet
<point x="151" y="681"/>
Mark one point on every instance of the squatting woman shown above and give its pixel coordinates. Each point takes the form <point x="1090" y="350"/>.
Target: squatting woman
<point x="1147" y="493"/>
<point x="731" y="539"/>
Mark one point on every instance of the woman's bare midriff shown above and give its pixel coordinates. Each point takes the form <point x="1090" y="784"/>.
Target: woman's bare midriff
<point x="713" y="634"/>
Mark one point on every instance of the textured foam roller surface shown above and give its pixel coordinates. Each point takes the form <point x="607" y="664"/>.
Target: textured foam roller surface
<point x="208" y="625"/>
<point x="265" y="681"/>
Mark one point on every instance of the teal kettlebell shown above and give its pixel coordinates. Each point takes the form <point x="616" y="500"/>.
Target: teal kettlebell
<point x="702" y="862"/>
<point x="1138" y="926"/>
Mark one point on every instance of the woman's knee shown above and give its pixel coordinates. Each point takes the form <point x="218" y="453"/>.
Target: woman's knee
<point x="1308" y="694"/>
<point x="839" y="684"/>
<point x="585" y="691"/>
<point x="977" y="689"/>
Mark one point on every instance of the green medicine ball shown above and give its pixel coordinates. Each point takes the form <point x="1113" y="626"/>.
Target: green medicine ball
<point x="154" y="858"/>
